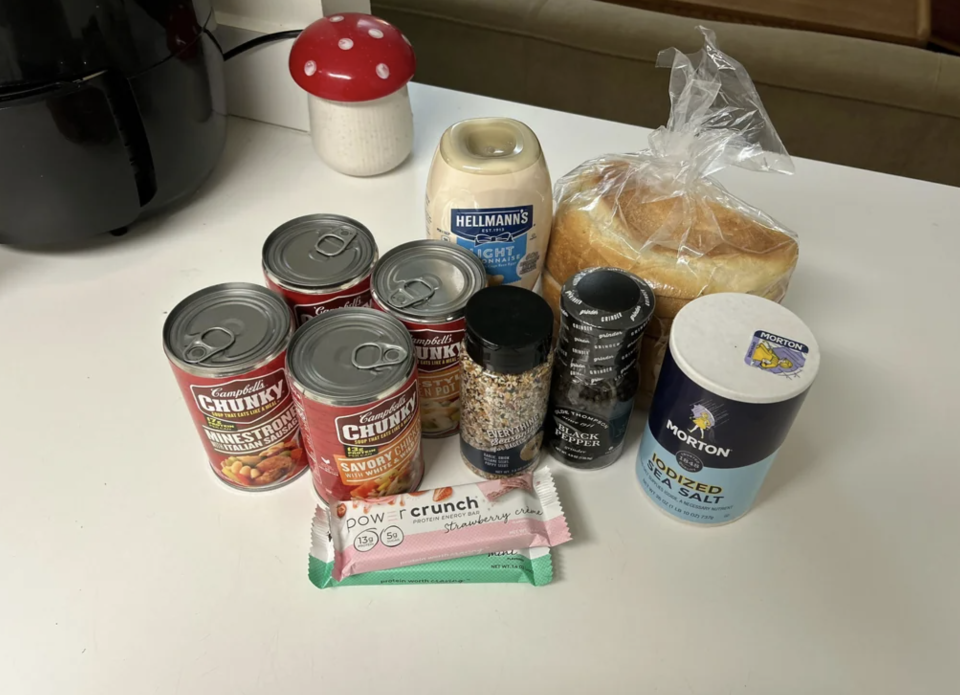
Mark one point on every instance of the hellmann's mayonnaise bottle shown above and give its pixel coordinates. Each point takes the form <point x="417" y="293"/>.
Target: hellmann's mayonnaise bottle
<point x="489" y="192"/>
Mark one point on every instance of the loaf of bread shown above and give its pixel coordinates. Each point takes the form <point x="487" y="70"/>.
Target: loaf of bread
<point x="659" y="214"/>
<point x="684" y="242"/>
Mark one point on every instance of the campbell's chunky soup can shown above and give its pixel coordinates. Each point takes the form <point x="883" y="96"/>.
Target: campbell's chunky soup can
<point x="353" y="374"/>
<point x="737" y="370"/>
<point x="426" y="285"/>
<point x="319" y="263"/>
<point x="227" y="345"/>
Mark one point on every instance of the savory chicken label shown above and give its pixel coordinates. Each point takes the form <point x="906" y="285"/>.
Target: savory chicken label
<point x="248" y="424"/>
<point x="381" y="423"/>
<point x="438" y="358"/>
<point x="368" y="451"/>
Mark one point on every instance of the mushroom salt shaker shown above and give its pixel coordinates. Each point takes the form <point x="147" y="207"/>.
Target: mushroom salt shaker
<point x="355" y="69"/>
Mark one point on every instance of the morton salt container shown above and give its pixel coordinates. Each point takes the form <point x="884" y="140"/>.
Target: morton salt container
<point x="426" y="284"/>
<point x="733" y="380"/>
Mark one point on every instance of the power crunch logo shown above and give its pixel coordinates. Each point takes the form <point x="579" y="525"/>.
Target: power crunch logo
<point x="695" y="443"/>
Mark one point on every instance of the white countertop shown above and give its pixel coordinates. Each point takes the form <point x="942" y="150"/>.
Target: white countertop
<point x="125" y="567"/>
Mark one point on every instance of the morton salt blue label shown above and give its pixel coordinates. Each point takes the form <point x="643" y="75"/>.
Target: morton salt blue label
<point x="703" y="457"/>
<point x="498" y="236"/>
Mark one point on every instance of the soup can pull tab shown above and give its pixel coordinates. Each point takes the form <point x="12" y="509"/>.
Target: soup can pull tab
<point x="403" y="297"/>
<point x="388" y="355"/>
<point x="344" y="235"/>
<point x="200" y="350"/>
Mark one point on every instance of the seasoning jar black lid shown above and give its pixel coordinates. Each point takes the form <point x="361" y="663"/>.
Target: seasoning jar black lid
<point x="610" y="299"/>
<point x="509" y="329"/>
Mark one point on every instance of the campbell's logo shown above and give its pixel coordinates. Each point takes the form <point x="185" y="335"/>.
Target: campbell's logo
<point x="382" y="423"/>
<point x="491" y="224"/>
<point x="242" y="401"/>
<point x="305" y="312"/>
<point x="436" y="350"/>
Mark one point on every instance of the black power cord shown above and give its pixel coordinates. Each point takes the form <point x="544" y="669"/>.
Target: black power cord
<point x="260" y="41"/>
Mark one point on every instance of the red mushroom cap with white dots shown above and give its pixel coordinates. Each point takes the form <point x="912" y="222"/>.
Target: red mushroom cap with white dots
<point x="351" y="57"/>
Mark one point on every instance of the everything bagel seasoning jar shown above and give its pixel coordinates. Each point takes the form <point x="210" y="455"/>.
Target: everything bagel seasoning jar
<point x="507" y="362"/>
<point x="426" y="284"/>
<point x="737" y="370"/>
<point x="604" y="312"/>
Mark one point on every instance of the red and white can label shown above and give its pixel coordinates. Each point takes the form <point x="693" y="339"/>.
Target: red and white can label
<point x="438" y="359"/>
<point x="308" y="306"/>
<point x="247" y="423"/>
<point x="371" y="450"/>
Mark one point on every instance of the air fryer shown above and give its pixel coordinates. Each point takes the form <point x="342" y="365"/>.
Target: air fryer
<point x="110" y="110"/>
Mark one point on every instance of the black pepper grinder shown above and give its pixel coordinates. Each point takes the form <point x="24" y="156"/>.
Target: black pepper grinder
<point x="604" y="312"/>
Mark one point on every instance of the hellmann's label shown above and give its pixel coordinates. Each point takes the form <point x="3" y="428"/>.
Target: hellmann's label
<point x="703" y="457"/>
<point x="498" y="236"/>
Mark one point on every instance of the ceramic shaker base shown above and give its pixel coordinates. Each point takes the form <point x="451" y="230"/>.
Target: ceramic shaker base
<point x="363" y="138"/>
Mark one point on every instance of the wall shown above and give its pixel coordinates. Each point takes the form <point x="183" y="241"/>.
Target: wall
<point x="266" y="16"/>
<point x="253" y="88"/>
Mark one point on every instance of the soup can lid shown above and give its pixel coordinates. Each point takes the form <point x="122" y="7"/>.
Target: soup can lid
<point x="227" y="329"/>
<point x="350" y="356"/>
<point x="319" y="252"/>
<point x="427" y="280"/>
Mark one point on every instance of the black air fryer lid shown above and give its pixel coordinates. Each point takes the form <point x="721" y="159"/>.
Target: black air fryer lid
<point x="509" y="329"/>
<point x="44" y="41"/>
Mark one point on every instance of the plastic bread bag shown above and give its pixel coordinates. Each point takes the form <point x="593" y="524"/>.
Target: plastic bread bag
<point x="659" y="214"/>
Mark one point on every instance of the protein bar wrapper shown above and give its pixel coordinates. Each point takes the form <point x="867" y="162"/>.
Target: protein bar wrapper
<point x="494" y="516"/>
<point x="526" y="566"/>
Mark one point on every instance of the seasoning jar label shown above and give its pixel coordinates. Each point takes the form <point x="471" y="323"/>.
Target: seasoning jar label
<point x="521" y="448"/>
<point x="596" y="371"/>
<point x="703" y="457"/>
<point x="373" y="450"/>
<point x="581" y="437"/>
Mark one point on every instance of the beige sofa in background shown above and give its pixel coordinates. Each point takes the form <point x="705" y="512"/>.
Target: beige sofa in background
<point x="856" y="102"/>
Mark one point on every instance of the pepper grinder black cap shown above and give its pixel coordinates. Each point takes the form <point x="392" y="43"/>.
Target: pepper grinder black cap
<point x="509" y="329"/>
<point x="609" y="299"/>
